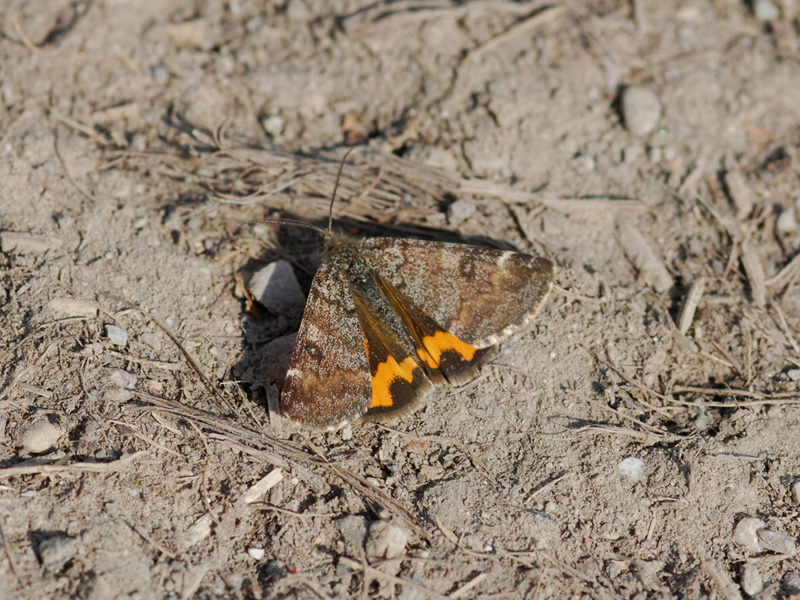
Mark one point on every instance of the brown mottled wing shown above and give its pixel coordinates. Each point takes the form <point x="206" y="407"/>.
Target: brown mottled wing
<point x="481" y="295"/>
<point x="329" y="378"/>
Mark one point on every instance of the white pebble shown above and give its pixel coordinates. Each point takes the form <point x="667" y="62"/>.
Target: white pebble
<point x="256" y="553"/>
<point x="752" y="583"/>
<point x="793" y="374"/>
<point x="632" y="468"/>
<point x="745" y="534"/>
<point x="116" y="335"/>
<point x="765" y="10"/>
<point x="276" y="288"/>
<point x="641" y="110"/>
<point x="386" y="540"/>
<point x="39" y="437"/>
<point x="787" y="221"/>
<point x="273" y="125"/>
<point x="777" y="542"/>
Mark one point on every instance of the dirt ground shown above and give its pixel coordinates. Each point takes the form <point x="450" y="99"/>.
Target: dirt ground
<point x="610" y="449"/>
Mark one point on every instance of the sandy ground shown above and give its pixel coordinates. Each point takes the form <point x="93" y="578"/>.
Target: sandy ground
<point x="611" y="448"/>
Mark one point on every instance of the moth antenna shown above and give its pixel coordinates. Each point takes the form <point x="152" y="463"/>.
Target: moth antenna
<point x="336" y="187"/>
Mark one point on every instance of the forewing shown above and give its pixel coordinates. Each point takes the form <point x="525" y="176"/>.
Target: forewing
<point x="480" y="295"/>
<point x="328" y="381"/>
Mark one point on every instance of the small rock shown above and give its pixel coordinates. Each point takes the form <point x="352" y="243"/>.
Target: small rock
<point x="746" y="535"/>
<point x="122" y="378"/>
<point x="347" y="432"/>
<point x="190" y="35"/>
<point x="55" y="552"/>
<point x="386" y="540"/>
<point x="256" y="553"/>
<point x="765" y="10"/>
<point x="70" y="307"/>
<point x="273" y="125"/>
<point x="641" y="110"/>
<point x="791" y="583"/>
<point x="40" y="436"/>
<point x="793" y="374"/>
<point x="632" y="468"/>
<point x="751" y="580"/>
<point x="459" y="211"/>
<point x="787" y="221"/>
<point x="116" y="335"/>
<point x="777" y="542"/>
<point x="276" y="288"/>
<point x="796" y="492"/>
<point x="354" y="531"/>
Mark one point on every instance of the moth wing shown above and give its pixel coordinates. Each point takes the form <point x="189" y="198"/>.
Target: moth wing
<point x="328" y="381"/>
<point x="480" y="295"/>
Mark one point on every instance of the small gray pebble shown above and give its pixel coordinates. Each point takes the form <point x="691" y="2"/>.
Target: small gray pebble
<point x="276" y="288"/>
<point x="791" y="583"/>
<point x="796" y="492"/>
<point x="793" y="374"/>
<point x="641" y="110"/>
<point x="751" y="580"/>
<point x="56" y="551"/>
<point x="386" y="540"/>
<point x="354" y="531"/>
<point x="122" y="378"/>
<point x="765" y="10"/>
<point x="116" y="335"/>
<point x="777" y="542"/>
<point x="746" y="535"/>
<point x="459" y="211"/>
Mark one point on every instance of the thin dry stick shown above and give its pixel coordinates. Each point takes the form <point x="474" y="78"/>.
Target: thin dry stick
<point x="477" y="580"/>
<point x="653" y="430"/>
<point x="785" y="328"/>
<point x="760" y="400"/>
<point x="145" y="439"/>
<point x="4" y="394"/>
<point x="787" y="274"/>
<point x="526" y="26"/>
<point x="754" y="269"/>
<point x="24" y="38"/>
<point x="189" y="358"/>
<point x="546" y="486"/>
<point x="61" y="160"/>
<point x="636" y="384"/>
<point x="690" y="304"/>
<point x="564" y="566"/>
<point x="150" y="540"/>
<point x="281" y="452"/>
<point x="81" y="467"/>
